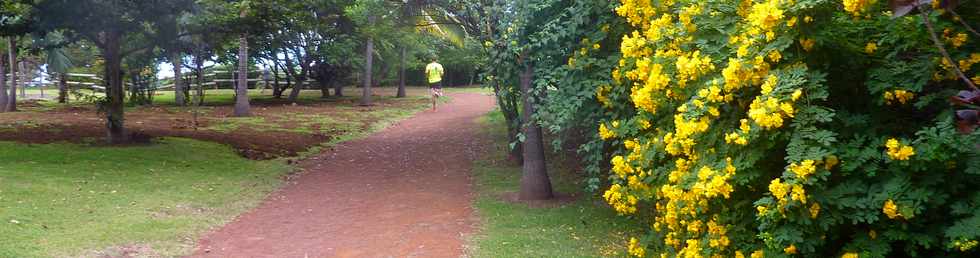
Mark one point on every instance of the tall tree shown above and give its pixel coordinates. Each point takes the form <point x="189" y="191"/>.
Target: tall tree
<point x="108" y="24"/>
<point x="535" y="183"/>
<point x="241" y="91"/>
<point x="12" y="60"/>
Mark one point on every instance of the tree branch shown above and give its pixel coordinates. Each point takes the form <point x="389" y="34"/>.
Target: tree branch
<point x="942" y="49"/>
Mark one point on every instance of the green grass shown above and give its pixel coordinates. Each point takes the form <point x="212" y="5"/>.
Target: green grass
<point x="60" y="200"/>
<point x="586" y="227"/>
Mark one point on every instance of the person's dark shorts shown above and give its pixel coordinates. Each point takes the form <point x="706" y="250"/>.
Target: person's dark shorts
<point x="435" y="85"/>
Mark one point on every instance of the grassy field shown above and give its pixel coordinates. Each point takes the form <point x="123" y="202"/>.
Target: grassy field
<point x="59" y="200"/>
<point x="585" y="227"/>
<point x="70" y="200"/>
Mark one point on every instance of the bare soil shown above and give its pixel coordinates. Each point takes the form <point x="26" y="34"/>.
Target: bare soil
<point x="82" y="124"/>
<point x="403" y="192"/>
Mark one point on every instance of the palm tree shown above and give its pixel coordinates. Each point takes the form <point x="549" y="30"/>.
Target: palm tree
<point x="59" y="64"/>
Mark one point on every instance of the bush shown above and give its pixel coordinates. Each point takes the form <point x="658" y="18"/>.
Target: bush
<point x="793" y="128"/>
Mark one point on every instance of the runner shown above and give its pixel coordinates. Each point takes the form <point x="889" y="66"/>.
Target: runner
<point x="434" y="72"/>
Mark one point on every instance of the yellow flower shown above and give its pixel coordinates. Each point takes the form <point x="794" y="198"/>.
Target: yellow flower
<point x="803" y="169"/>
<point x="791" y="249"/>
<point x="596" y="46"/>
<point x="765" y="15"/>
<point x="849" y="255"/>
<point x="635" y="249"/>
<point x="897" y="151"/>
<point x="898" y="97"/>
<point x="870" y="48"/>
<point x="891" y="209"/>
<point x="830" y="162"/>
<point x="605" y="133"/>
<point x="857" y="7"/>
<point x="814" y="210"/>
<point x="807" y="44"/>
<point x="758" y="254"/>
<point x="807" y="19"/>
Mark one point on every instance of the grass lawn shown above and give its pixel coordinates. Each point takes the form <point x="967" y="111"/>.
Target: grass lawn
<point x="586" y="227"/>
<point x="77" y="200"/>
<point x="70" y="200"/>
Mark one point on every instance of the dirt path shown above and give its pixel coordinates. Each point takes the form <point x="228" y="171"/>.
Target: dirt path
<point x="403" y="192"/>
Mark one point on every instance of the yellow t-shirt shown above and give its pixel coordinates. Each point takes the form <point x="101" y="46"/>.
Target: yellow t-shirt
<point x="434" y="72"/>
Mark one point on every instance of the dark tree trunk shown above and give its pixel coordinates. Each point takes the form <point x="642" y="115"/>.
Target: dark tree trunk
<point x="179" y="98"/>
<point x="338" y="87"/>
<point x="323" y="79"/>
<point x="62" y="88"/>
<point x="535" y="184"/>
<point x="241" y="91"/>
<point x="368" y="63"/>
<point x="275" y="79"/>
<point x="114" y="88"/>
<point x="199" y="73"/>
<point x="3" y="85"/>
<point x="300" y="80"/>
<point x="401" y="75"/>
<point x="12" y="54"/>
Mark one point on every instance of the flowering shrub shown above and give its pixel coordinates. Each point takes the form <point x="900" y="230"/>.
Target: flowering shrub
<point x="768" y="128"/>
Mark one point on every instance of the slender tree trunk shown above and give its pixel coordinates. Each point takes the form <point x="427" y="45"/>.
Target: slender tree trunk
<point x="115" y="90"/>
<point x="300" y="80"/>
<point x="401" y="75"/>
<point x="338" y="88"/>
<point x="241" y="92"/>
<point x="368" y="63"/>
<point x="24" y="78"/>
<point x="62" y="88"/>
<point x="275" y="78"/>
<point x="323" y="80"/>
<point x="535" y="184"/>
<point x="12" y="55"/>
<point x="179" y="98"/>
<point x="199" y="72"/>
<point x="3" y="86"/>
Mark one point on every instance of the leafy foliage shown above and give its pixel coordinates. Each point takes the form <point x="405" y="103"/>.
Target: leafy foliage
<point x="776" y="128"/>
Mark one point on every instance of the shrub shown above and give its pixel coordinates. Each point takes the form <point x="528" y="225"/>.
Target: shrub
<point x="783" y="128"/>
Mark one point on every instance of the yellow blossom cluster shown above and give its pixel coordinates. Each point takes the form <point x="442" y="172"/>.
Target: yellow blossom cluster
<point x="891" y="209"/>
<point x="965" y="245"/>
<point x="669" y="75"/>
<point x="858" y="7"/>
<point x="850" y="255"/>
<point x="870" y="48"/>
<point x="955" y="39"/>
<point x="897" y="151"/>
<point x="898" y="97"/>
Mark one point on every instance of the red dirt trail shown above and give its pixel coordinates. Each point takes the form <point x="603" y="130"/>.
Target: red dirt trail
<point x="403" y="192"/>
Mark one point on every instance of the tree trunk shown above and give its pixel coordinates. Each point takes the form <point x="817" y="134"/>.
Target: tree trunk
<point x="535" y="184"/>
<point x="368" y="63"/>
<point x="12" y="54"/>
<point x="3" y="86"/>
<point x="24" y="78"/>
<point x="275" y="79"/>
<point x="323" y="80"/>
<point x="241" y="92"/>
<point x="199" y="72"/>
<point x="401" y="75"/>
<point x="114" y="88"/>
<point x="179" y="98"/>
<point x="338" y="88"/>
<point x="62" y="88"/>
<point x="294" y="94"/>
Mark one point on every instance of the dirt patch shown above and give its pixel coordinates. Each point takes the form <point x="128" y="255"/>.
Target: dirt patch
<point x="559" y="200"/>
<point x="277" y="128"/>
<point x="125" y="251"/>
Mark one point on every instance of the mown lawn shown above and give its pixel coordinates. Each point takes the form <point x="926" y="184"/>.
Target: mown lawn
<point x="78" y="200"/>
<point x="585" y="227"/>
